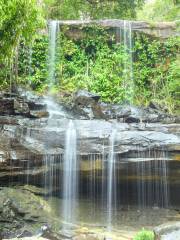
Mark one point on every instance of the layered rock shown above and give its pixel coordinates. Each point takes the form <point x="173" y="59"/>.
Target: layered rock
<point x="22" y="214"/>
<point x="161" y="29"/>
<point x="12" y="104"/>
<point x="87" y="105"/>
<point x="142" y="135"/>
<point x="168" y="231"/>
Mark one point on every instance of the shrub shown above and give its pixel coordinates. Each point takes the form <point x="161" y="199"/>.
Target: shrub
<point x="144" y="235"/>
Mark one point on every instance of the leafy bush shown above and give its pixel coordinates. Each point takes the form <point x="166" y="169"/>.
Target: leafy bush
<point x="93" y="64"/>
<point x="156" y="71"/>
<point x="33" y="63"/>
<point x="95" y="61"/>
<point x="18" y="22"/>
<point x="160" y="10"/>
<point x="144" y="235"/>
<point x="94" y="9"/>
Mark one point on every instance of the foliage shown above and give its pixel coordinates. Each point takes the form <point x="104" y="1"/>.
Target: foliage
<point x="33" y="63"/>
<point x="18" y="23"/>
<point x="95" y="61"/>
<point x="144" y="235"/>
<point x="156" y="71"/>
<point x="160" y="10"/>
<point x="95" y="9"/>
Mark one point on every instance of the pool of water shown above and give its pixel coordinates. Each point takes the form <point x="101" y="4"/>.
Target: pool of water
<point x="94" y="214"/>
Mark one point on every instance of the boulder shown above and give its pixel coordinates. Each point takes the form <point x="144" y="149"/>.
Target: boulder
<point x="6" y="106"/>
<point x="168" y="231"/>
<point x="27" y="238"/>
<point x="84" y="97"/>
<point x="22" y="213"/>
<point x="86" y="104"/>
<point x="20" y="105"/>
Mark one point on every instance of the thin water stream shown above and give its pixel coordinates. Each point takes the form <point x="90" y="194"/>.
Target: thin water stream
<point x="105" y="186"/>
<point x="70" y="175"/>
<point x="111" y="181"/>
<point x="53" y="30"/>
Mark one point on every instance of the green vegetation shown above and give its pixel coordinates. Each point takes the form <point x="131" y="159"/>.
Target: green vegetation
<point x="95" y="60"/>
<point x="157" y="71"/>
<point x="19" y="22"/>
<point x="95" y="9"/>
<point x="160" y="10"/>
<point x="144" y="235"/>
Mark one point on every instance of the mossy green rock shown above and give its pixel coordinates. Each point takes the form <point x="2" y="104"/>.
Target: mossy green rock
<point x="22" y="212"/>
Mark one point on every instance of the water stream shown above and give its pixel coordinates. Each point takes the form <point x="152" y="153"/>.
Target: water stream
<point x="111" y="181"/>
<point x="53" y="30"/>
<point x="70" y="175"/>
<point x="97" y="181"/>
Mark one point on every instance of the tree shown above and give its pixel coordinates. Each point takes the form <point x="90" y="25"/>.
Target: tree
<point x="160" y="10"/>
<point x="18" y="23"/>
<point x="95" y="9"/>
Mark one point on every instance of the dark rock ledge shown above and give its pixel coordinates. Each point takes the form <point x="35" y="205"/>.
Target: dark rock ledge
<point x="160" y="29"/>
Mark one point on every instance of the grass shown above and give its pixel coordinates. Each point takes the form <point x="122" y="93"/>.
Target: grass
<point x="144" y="235"/>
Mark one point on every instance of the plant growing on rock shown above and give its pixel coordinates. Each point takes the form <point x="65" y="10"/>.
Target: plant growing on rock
<point x="144" y="235"/>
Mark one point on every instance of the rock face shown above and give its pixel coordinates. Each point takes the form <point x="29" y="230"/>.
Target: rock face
<point x="33" y="143"/>
<point x="22" y="213"/>
<point x="168" y="231"/>
<point x="87" y="106"/>
<point x="28" y="143"/>
<point x="161" y="29"/>
<point x="16" y="105"/>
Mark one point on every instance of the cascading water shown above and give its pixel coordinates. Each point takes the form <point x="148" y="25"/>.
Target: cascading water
<point x="125" y="38"/>
<point x="49" y="174"/>
<point x="111" y="181"/>
<point x="161" y="186"/>
<point x="104" y="186"/>
<point x="70" y="175"/>
<point x="53" y="30"/>
<point x="152" y="179"/>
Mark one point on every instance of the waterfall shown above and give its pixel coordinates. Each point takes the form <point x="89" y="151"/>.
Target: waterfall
<point x="111" y="178"/>
<point x="161" y="198"/>
<point x="70" y="176"/>
<point x="53" y="29"/>
<point x="152" y="179"/>
<point x="125" y="38"/>
<point x="49" y="163"/>
<point x="128" y="62"/>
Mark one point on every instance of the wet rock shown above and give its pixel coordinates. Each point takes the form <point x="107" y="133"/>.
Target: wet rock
<point x="90" y="236"/>
<point x="155" y="105"/>
<point x="37" y="109"/>
<point x="85" y="97"/>
<point x="8" y="120"/>
<point x="20" y="107"/>
<point x="161" y="29"/>
<point x="25" y="233"/>
<point x="38" y="114"/>
<point x="50" y="234"/>
<point x="27" y="142"/>
<point x="167" y="231"/>
<point x="27" y="238"/>
<point x="6" y="106"/>
<point x="86" y="104"/>
<point x="19" y="211"/>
